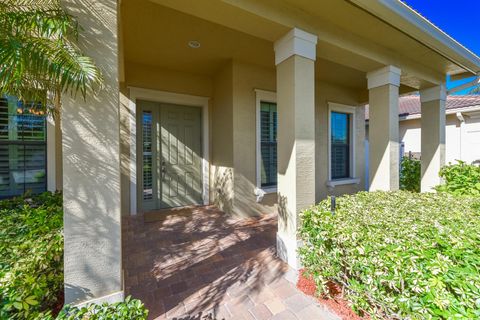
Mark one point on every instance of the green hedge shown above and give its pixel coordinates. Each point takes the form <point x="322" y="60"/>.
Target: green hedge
<point x="398" y="254"/>
<point x="31" y="265"/>
<point x="31" y="255"/>
<point x="460" y="179"/>
<point x="410" y="174"/>
<point x="126" y="310"/>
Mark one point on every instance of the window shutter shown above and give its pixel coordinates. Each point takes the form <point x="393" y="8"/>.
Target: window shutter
<point x="23" y="150"/>
<point x="268" y="144"/>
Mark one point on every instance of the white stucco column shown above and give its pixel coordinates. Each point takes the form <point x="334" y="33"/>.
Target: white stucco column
<point x="91" y="163"/>
<point x="383" y="85"/>
<point x="433" y="135"/>
<point x="295" y="55"/>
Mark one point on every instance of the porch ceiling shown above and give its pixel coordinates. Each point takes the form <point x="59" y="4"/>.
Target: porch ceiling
<point x="348" y="35"/>
<point x="158" y="36"/>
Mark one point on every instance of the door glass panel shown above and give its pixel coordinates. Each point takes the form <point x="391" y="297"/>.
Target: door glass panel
<point x="147" y="156"/>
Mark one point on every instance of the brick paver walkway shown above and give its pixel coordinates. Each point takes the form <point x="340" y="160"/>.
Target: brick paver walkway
<point x="198" y="263"/>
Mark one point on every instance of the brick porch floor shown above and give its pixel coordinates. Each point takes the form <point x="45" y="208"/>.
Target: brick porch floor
<point x="198" y="263"/>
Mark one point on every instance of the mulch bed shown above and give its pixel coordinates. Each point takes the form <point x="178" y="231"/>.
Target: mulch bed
<point x="59" y="304"/>
<point x="337" y="304"/>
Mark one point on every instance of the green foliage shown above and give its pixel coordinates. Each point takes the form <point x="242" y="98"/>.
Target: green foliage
<point x="31" y="255"/>
<point x="398" y="254"/>
<point x="129" y="309"/>
<point x="39" y="52"/>
<point x="410" y="174"/>
<point x="460" y="179"/>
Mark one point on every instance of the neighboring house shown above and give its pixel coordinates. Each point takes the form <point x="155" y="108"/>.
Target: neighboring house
<point x="462" y="138"/>
<point x="253" y="106"/>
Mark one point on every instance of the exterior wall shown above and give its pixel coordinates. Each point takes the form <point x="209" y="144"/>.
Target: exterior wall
<point x="453" y="139"/>
<point x="410" y="135"/>
<point x="246" y="78"/>
<point x="222" y="139"/>
<point x="234" y="138"/>
<point x="233" y="131"/>
<point x="124" y="150"/>
<point x="456" y="146"/>
<point x="326" y="93"/>
<point x="151" y="77"/>
<point x="91" y="166"/>
<point x="471" y="139"/>
<point x="54" y="154"/>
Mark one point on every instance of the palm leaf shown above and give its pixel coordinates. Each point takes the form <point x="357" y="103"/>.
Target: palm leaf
<point x="38" y="52"/>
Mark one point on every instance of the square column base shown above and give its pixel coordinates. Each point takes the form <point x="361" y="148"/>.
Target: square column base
<point x="287" y="250"/>
<point x="118" y="296"/>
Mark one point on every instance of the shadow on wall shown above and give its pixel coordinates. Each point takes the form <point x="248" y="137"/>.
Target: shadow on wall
<point x="91" y="163"/>
<point x="223" y="186"/>
<point x="193" y="261"/>
<point x="282" y="213"/>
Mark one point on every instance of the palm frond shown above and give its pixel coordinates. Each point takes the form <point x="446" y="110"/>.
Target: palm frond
<point x="38" y="51"/>
<point x="29" y="5"/>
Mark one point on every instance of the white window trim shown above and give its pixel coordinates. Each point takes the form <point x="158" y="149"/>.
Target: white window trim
<point x="173" y="98"/>
<point x="337" y="107"/>
<point x="262" y="96"/>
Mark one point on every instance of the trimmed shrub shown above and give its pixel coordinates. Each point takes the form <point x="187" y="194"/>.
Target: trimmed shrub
<point x="410" y="174"/>
<point x="460" y="179"/>
<point x="398" y="254"/>
<point x="126" y="310"/>
<point x="31" y="255"/>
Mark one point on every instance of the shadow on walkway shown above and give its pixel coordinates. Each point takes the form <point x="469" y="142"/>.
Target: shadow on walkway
<point x="198" y="263"/>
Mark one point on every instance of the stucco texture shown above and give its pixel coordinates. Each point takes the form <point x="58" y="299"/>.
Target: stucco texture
<point x="91" y="165"/>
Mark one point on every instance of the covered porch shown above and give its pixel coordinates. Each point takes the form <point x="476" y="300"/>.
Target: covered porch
<point x="182" y="123"/>
<point x="199" y="263"/>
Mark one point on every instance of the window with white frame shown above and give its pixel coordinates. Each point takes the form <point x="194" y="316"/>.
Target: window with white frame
<point x="266" y="140"/>
<point x="341" y="142"/>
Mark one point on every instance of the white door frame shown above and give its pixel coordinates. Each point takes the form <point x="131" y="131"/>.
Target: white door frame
<point x="173" y="98"/>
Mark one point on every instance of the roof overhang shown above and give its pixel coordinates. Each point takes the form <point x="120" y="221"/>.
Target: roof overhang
<point x="407" y="20"/>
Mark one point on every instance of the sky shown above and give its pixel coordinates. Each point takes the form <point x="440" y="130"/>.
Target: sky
<point x="459" y="19"/>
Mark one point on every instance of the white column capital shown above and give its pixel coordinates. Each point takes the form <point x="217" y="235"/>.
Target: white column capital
<point x="384" y="76"/>
<point x="295" y="42"/>
<point x="433" y="93"/>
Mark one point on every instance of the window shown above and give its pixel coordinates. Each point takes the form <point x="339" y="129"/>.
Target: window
<point x="22" y="148"/>
<point x="341" y="144"/>
<point x="266" y="140"/>
<point x="268" y="144"/>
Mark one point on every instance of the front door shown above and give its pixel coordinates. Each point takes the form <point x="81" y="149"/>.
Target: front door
<point x="170" y="155"/>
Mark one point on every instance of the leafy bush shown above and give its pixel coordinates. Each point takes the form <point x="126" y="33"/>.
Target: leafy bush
<point x="460" y="179"/>
<point x="398" y="254"/>
<point x="410" y="174"/>
<point x="129" y="309"/>
<point x="31" y="255"/>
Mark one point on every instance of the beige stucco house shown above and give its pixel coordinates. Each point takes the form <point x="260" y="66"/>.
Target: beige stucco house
<point x="248" y="105"/>
<point x="462" y="131"/>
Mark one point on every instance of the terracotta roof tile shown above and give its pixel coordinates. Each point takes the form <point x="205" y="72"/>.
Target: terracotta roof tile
<point x="409" y="105"/>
